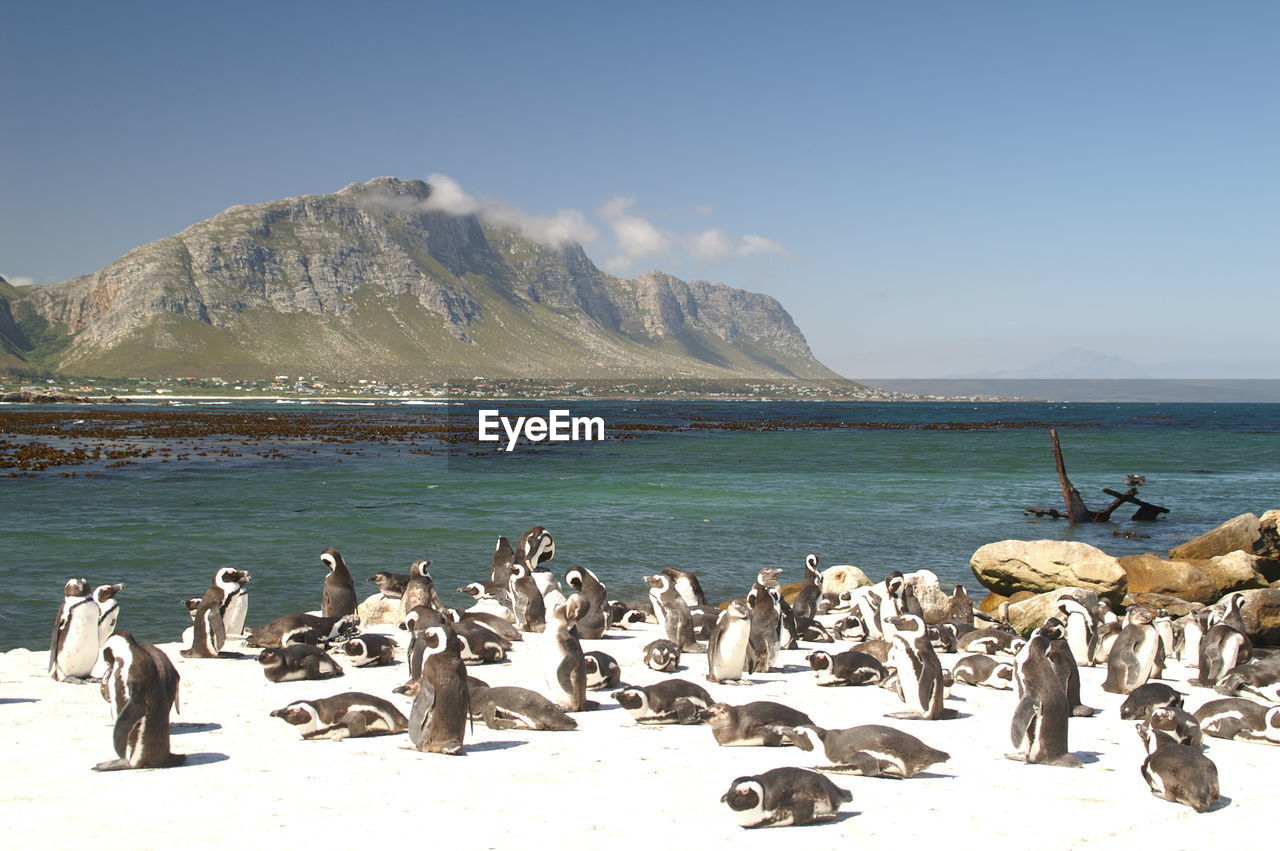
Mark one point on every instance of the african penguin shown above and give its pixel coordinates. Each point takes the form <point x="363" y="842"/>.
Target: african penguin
<point x="348" y="715"/>
<point x="73" y="644"/>
<point x="339" y="588"/>
<point x="141" y="733"/>
<point x="784" y="796"/>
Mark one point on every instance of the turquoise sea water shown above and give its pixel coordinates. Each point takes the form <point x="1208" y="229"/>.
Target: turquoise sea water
<point x="722" y="503"/>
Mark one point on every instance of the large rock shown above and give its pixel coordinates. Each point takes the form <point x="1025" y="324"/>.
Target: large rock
<point x="843" y="577"/>
<point x="1235" y="571"/>
<point x="1150" y="574"/>
<point x="990" y="603"/>
<point x="1238" y="533"/>
<point x="1268" y="543"/>
<point x="1028" y="614"/>
<point x="380" y="611"/>
<point x="933" y="602"/>
<point x="1175" y="606"/>
<point x="1261" y="613"/>
<point x="1038" y="566"/>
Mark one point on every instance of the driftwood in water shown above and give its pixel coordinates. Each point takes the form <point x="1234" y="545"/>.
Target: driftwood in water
<point x="1077" y="511"/>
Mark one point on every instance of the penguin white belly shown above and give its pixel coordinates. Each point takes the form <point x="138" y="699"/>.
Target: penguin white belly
<point x="908" y="678"/>
<point x="107" y="623"/>
<point x="731" y="652"/>
<point x="79" y="653"/>
<point x="1078" y="639"/>
<point x="188" y="635"/>
<point x="1145" y="652"/>
<point x="237" y="610"/>
<point x="552" y="657"/>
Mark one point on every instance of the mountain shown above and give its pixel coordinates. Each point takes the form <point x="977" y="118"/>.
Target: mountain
<point x="369" y="282"/>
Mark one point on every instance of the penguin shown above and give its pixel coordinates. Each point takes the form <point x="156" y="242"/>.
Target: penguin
<point x="752" y="724"/>
<point x="369" y="650"/>
<point x="526" y="600"/>
<point x="766" y="632"/>
<point x="595" y="600"/>
<point x="728" y="643"/>
<point x="73" y="644"/>
<point x="150" y="690"/>
<point x="982" y="670"/>
<point x="671" y="701"/>
<point x="687" y="586"/>
<point x="489" y="599"/>
<point x="920" y="681"/>
<point x="303" y="629"/>
<point x="662" y="655"/>
<point x="1238" y="718"/>
<point x="420" y="590"/>
<point x="1257" y="678"/>
<point x="602" y="670"/>
<point x="1179" y="724"/>
<point x="1079" y="623"/>
<point x="339" y="588"/>
<point x="534" y="547"/>
<point x="108" y="610"/>
<point x="297" y="662"/>
<point x="565" y="668"/>
<point x="1039" y="727"/>
<point x="479" y="644"/>
<point x="785" y="796"/>
<point x="870" y="750"/>
<point x="441" y="707"/>
<point x="1132" y="659"/>
<point x="548" y="587"/>
<point x="849" y="628"/>
<point x="516" y="708"/>
<point x="235" y="607"/>
<point x="209" y="628"/>
<point x="849" y="668"/>
<point x="1163" y="625"/>
<point x="416" y="623"/>
<point x="805" y="605"/>
<point x="1064" y="662"/>
<point x="1148" y="697"/>
<point x="704" y="622"/>
<point x="496" y="624"/>
<point x="944" y="637"/>
<point x="391" y="585"/>
<point x="673" y="613"/>
<point x="1224" y="646"/>
<point x="960" y="608"/>
<point x="1178" y="773"/>
<point x="989" y="641"/>
<point x="877" y="648"/>
<point x="504" y="555"/>
<point x="351" y="714"/>
<point x="889" y="593"/>
<point x="118" y="657"/>
<point x="1194" y="626"/>
<point x="865" y="602"/>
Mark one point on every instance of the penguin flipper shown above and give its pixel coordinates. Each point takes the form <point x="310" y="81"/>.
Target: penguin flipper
<point x="1024" y="716"/>
<point x="420" y="713"/>
<point x="113" y="765"/>
<point x="133" y="712"/>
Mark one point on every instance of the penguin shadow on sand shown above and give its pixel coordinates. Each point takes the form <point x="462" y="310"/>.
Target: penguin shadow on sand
<point x="4" y="700"/>
<point x="177" y="728"/>
<point x="204" y="758"/>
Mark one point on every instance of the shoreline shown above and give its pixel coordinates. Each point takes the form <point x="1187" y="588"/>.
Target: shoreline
<point x="611" y="783"/>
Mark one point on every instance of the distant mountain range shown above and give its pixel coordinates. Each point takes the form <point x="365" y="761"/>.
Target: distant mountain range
<point x="1072" y="363"/>
<point x="371" y="282"/>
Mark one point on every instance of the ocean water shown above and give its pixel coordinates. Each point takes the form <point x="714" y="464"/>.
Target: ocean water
<point x="897" y="486"/>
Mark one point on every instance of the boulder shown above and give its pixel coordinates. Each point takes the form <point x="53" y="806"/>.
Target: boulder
<point x="378" y="610"/>
<point x="1268" y="543"/>
<point x="1238" y="533"/>
<point x="788" y="592"/>
<point x="1235" y="571"/>
<point x="924" y="584"/>
<point x="843" y="577"/>
<point x="1038" y="566"/>
<point x="1175" y="606"/>
<point x="1027" y="614"/>
<point x="991" y="602"/>
<point x="1261" y="613"/>
<point x="1150" y="574"/>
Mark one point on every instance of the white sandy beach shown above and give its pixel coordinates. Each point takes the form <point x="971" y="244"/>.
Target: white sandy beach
<point x="251" y="779"/>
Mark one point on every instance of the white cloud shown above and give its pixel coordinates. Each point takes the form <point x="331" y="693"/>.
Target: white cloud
<point x="447" y="197"/>
<point x="636" y="238"/>
<point x="715" y="244"/>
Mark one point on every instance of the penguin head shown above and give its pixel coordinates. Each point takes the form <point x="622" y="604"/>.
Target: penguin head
<point x="894" y="582"/>
<point x="420" y="568"/>
<point x="745" y="793"/>
<point x="811" y="561"/>
<point x="435" y="639"/>
<point x="1003" y="671"/>
<point x="535" y="547"/>
<point x="1272" y="724"/>
<point x="908" y="624"/>
<point x="76" y="588"/>
<point x="1139" y="615"/>
<point x="574" y="607"/>
<point x="331" y="558"/>
<point x="805" y="738"/>
<point x="819" y="660"/>
<point x="355" y="647"/>
<point x="269" y="657"/>
<point x="736" y="609"/>
<point x="472" y="589"/>
<point x="631" y="699"/>
<point x="296" y="713"/>
<point x="716" y="714"/>
<point x="103" y="593"/>
<point x="229" y="579"/>
<point x="768" y="576"/>
<point x="1051" y="629"/>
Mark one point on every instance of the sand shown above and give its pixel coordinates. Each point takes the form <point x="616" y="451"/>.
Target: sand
<point x="251" y="779"/>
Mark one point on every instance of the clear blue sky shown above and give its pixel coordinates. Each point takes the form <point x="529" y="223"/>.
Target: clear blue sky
<point x="937" y="188"/>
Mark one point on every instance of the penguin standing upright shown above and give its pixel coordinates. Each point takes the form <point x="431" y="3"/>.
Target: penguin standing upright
<point x="209" y="631"/>
<point x="594" y="620"/>
<point x="504" y="555"/>
<point x="73" y="645"/>
<point x="1133" y="656"/>
<point x="441" y="707"/>
<point x="805" y="605"/>
<point x="1079" y="627"/>
<point x="420" y="590"/>
<point x="108" y="610"/>
<point x="672" y="612"/>
<point x="565" y="666"/>
<point x="1225" y="645"/>
<point x="1039" y="727"/>
<point x="150" y="689"/>
<point x="526" y="600"/>
<point x="339" y="588"/>
<point x="920" y="683"/>
<point x="1062" y="657"/>
<point x="727" y="646"/>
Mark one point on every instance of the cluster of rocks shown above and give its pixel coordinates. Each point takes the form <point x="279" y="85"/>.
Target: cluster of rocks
<point x="1242" y="555"/>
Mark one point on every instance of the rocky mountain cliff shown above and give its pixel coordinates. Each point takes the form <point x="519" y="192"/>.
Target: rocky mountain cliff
<point x="368" y="282"/>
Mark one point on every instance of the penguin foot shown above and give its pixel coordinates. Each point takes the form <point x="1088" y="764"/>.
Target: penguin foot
<point x="1083" y="711"/>
<point x="112" y="765"/>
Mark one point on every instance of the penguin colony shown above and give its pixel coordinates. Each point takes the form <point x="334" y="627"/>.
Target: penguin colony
<point x="889" y="646"/>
